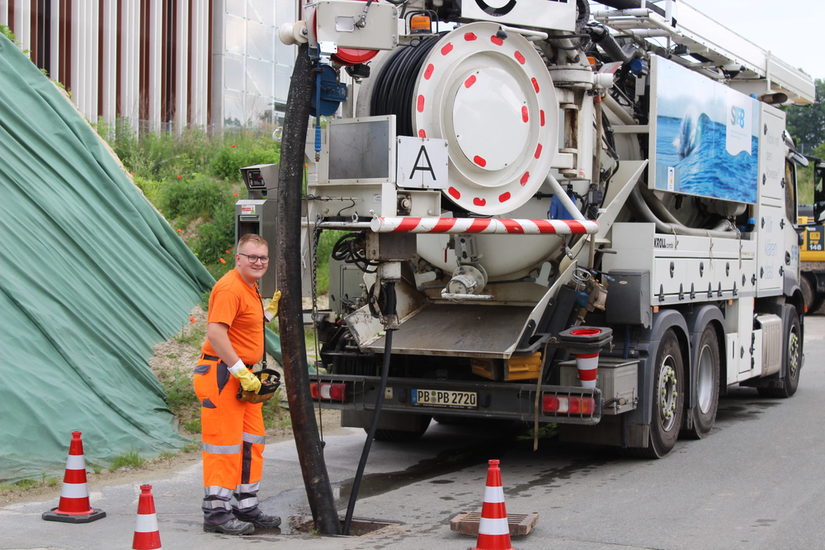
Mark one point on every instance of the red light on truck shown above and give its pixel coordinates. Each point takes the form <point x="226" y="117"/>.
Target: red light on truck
<point x="559" y="404"/>
<point x="328" y="391"/>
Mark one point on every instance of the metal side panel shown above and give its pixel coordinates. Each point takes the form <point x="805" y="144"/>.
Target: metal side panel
<point x="771" y="343"/>
<point x="458" y="330"/>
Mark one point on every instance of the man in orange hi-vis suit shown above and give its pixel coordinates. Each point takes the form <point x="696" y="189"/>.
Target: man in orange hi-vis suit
<point x="233" y="430"/>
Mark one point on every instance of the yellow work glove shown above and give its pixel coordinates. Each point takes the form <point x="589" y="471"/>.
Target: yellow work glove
<point x="249" y="382"/>
<point x="271" y="311"/>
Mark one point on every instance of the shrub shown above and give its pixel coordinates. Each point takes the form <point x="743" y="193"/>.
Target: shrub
<point x="228" y="161"/>
<point x="191" y="199"/>
<point x="218" y="235"/>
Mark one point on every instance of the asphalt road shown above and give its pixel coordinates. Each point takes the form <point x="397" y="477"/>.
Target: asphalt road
<point x="755" y="482"/>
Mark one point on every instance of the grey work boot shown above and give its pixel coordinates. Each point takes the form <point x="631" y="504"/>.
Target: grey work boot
<point x="231" y="526"/>
<point x="263" y="521"/>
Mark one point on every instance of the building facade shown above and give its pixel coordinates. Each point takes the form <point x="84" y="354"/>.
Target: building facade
<point x="161" y="64"/>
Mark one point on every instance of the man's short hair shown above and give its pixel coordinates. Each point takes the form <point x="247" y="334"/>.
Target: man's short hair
<point x="252" y="238"/>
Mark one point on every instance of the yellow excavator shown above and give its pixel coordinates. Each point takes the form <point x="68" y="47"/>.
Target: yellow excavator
<point x="812" y="249"/>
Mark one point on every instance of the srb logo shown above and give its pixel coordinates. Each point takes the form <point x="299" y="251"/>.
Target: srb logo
<point x="737" y="116"/>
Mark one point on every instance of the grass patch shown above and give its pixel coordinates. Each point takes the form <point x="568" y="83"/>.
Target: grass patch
<point x="129" y="460"/>
<point x="29" y="484"/>
<point x="192" y="335"/>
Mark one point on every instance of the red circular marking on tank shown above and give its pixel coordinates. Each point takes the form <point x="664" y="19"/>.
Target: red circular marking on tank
<point x="422" y="133"/>
<point x="538" y="150"/>
<point x="481" y="161"/>
<point x="496" y="40"/>
<point x="524" y="178"/>
<point x="525" y="114"/>
<point x="448" y="47"/>
<point x="519" y="57"/>
<point x="535" y="84"/>
<point x="420" y="104"/>
<point x="541" y="116"/>
<point x="504" y="197"/>
<point x="478" y="201"/>
<point x="454" y="193"/>
<point x="469" y="36"/>
<point x="512" y="226"/>
<point x="470" y="81"/>
<point x="428" y="72"/>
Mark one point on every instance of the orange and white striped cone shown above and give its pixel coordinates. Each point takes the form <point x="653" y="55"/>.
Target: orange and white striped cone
<point x="147" y="536"/>
<point x="493" y="528"/>
<point x="74" y="496"/>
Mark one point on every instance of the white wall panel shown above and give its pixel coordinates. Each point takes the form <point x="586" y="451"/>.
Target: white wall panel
<point x="182" y="74"/>
<point x="200" y="63"/>
<point x="155" y="53"/>
<point x="108" y="70"/>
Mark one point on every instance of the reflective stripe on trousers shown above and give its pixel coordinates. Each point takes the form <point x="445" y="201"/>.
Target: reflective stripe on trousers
<point x="233" y="443"/>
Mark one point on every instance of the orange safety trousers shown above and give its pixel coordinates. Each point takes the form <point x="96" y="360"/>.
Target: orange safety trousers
<point x="233" y="441"/>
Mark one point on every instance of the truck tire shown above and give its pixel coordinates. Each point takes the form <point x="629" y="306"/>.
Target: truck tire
<point x="668" y="400"/>
<point x="791" y="358"/>
<point x="706" y="384"/>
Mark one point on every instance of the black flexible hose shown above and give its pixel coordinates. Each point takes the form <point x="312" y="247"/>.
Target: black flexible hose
<point x="287" y="258"/>
<point x="389" y="294"/>
<point x="395" y="84"/>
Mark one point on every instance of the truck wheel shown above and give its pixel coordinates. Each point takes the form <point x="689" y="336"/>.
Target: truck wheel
<point x="707" y="384"/>
<point x="791" y="357"/>
<point x="668" y="396"/>
<point x="422" y="422"/>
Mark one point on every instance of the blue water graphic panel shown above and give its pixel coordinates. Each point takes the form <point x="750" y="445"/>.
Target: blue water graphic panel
<point x="705" y="136"/>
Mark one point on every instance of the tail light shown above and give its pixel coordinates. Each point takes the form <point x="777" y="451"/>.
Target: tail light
<point x="328" y="391"/>
<point x="568" y="404"/>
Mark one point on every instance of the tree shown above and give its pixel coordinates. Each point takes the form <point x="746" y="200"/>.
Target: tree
<point x="806" y="123"/>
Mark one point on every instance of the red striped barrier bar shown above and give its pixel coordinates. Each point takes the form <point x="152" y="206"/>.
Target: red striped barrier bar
<point x="501" y="226"/>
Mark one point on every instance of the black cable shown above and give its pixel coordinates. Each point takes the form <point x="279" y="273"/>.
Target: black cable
<point x="395" y="84"/>
<point x="389" y="295"/>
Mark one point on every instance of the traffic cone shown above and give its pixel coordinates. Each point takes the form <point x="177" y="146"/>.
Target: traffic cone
<point x="147" y="536"/>
<point x="493" y="529"/>
<point x="74" y="496"/>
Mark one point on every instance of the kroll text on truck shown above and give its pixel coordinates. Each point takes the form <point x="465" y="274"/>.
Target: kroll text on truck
<point x="562" y="214"/>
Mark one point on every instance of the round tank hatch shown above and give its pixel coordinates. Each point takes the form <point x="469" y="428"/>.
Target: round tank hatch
<point x="490" y="96"/>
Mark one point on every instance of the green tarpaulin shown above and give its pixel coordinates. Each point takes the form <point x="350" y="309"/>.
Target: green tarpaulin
<point x="91" y="277"/>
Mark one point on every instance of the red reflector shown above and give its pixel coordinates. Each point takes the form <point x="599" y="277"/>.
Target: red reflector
<point x="338" y="392"/>
<point x="557" y="404"/>
<point x="328" y="391"/>
<point x="550" y="403"/>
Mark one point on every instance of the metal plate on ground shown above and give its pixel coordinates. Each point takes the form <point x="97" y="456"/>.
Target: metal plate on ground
<point x="459" y="330"/>
<point x="466" y="523"/>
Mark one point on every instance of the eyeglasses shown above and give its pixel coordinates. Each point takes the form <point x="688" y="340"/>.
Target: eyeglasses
<point x="253" y="259"/>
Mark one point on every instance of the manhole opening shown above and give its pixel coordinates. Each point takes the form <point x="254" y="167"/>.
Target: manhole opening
<point x="358" y="527"/>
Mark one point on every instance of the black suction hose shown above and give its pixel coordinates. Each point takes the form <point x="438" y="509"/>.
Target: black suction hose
<point x="288" y="262"/>
<point x="388" y="289"/>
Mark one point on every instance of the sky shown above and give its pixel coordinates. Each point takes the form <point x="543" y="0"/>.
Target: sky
<point x="793" y="33"/>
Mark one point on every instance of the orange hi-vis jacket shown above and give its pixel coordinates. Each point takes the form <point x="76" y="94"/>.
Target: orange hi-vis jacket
<point x="233" y="433"/>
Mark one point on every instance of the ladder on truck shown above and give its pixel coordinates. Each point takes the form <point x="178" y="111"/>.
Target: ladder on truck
<point x="703" y="44"/>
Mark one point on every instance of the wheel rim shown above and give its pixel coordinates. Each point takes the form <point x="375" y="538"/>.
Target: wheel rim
<point x="704" y="385"/>
<point x="667" y="393"/>
<point x="793" y="352"/>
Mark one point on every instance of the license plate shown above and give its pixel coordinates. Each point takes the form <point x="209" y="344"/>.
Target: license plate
<point x="445" y="398"/>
